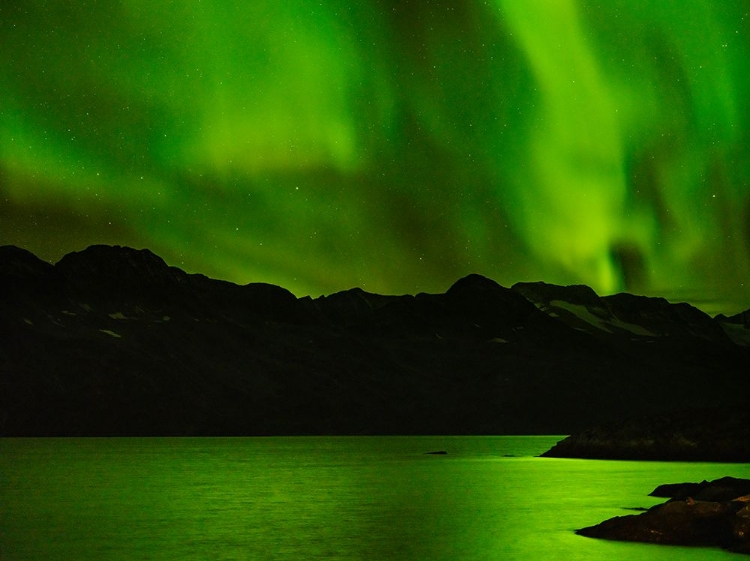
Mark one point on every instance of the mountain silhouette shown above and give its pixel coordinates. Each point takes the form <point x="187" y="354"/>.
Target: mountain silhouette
<point x="113" y="341"/>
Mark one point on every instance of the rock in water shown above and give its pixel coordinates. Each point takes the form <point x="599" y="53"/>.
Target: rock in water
<point x="724" y="489"/>
<point x="687" y="521"/>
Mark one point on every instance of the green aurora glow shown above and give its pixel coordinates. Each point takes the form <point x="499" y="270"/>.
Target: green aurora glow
<point x="391" y="145"/>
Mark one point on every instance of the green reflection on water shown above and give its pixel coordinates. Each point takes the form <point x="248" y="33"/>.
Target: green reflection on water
<point x="320" y="498"/>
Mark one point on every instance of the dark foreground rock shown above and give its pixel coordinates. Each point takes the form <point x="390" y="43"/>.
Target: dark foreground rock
<point x="718" y="434"/>
<point x="724" y="489"/>
<point x="709" y="518"/>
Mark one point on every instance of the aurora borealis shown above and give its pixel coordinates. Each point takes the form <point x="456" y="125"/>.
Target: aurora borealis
<point x="391" y="145"/>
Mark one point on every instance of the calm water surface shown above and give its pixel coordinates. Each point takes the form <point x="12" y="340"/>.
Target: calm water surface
<point x="322" y="498"/>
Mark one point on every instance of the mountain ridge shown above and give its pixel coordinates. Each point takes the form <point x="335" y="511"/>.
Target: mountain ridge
<point x="112" y="340"/>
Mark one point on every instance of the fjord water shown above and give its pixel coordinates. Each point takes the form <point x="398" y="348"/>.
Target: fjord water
<point x="377" y="498"/>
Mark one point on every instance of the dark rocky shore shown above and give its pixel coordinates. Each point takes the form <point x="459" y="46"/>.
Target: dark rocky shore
<point x="708" y="514"/>
<point x="717" y="434"/>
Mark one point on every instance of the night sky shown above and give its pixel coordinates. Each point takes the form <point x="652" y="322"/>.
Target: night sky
<point x="393" y="145"/>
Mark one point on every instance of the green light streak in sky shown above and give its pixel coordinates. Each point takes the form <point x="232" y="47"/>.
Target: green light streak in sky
<point x="585" y="139"/>
<point x="574" y="145"/>
<point x="394" y="146"/>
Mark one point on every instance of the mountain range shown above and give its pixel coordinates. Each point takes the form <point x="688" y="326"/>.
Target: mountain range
<point x="113" y="341"/>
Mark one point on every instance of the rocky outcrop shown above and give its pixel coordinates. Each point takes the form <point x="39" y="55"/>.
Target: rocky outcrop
<point x="704" y="514"/>
<point x="720" y="434"/>
<point x="718" y="490"/>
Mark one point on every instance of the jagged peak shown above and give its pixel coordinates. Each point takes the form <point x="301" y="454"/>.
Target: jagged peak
<point x="114" y="253"/>
<point x="743" y="318"/>
<point x="8" y="252"/>
<point x="542" y="292"/>
<point x="474" y="283"/>
<point x="104" y="267"/>
<point x="625" y="301"/>
<point x="354" y="302"/>
<point x="19" y="262"/>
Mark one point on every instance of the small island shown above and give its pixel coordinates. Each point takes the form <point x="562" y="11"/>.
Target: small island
<point x="707" y="514"/>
